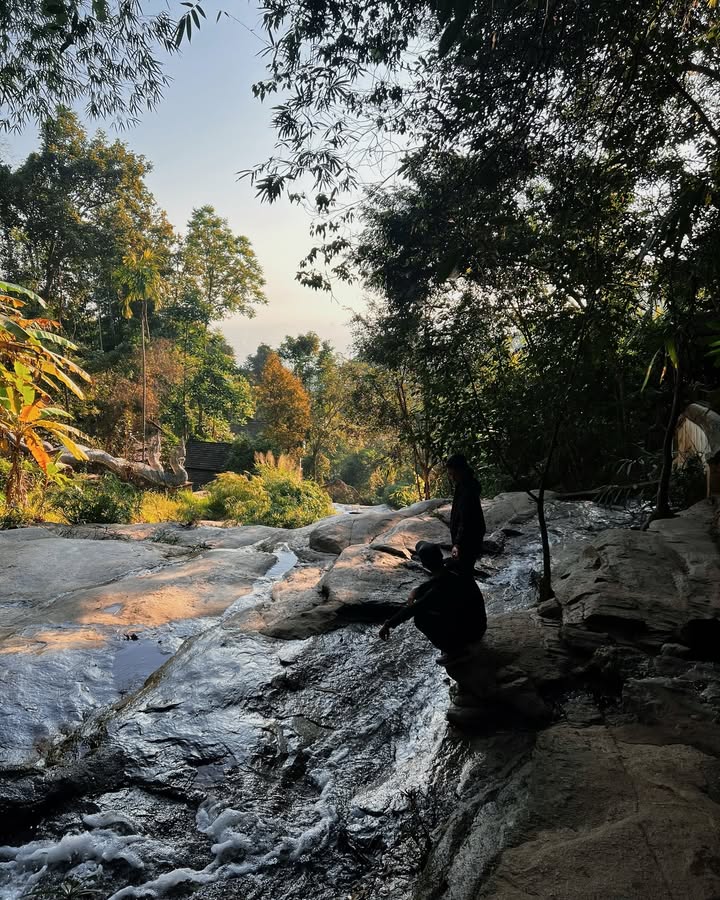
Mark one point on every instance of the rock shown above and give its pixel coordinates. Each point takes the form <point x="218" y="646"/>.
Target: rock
<point x="509" y="672"/>
<point x="646" y="588"/>
<point x="682" y="708"/>
<point x="495" y="544"/>
<point x="336" y="534"/>
<point x="32" y="574"/>
<point x="549" y="609"/>
<point x="402" y="538"/>
<point x="340" y="492"/>
<point x="207" y="535"/>
<point x="297" y="610"/>
<point x="556" y="821"/>
<point x="503" y="511"/>
<point x="679" y="650"/>
<point x="368" y="585"/>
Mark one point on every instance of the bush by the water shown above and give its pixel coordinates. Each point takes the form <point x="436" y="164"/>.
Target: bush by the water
<point x="276" y="496"/>
<point x="400" y="496"/>
<point x="103" y="501"/>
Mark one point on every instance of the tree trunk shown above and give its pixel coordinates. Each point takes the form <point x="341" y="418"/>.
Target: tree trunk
<point x="144" y="384"/>
<point x="546" y="589"/>
<point x="662" y="501"/>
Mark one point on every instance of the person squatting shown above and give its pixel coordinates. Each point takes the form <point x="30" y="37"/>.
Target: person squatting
<point x="449" y="608"/>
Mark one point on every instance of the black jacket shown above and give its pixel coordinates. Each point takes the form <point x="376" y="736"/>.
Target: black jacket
<point x="467" y="522"/>
<point x="448" y="595"/>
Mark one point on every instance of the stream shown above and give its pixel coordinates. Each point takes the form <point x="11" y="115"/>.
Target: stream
<point x="237" y="765"/>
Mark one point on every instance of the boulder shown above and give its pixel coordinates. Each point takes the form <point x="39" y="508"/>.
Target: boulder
<point x="336" y="534"/>
<point x="645" y="588"/>
<point x="557" y="821"/>
<point x="402" y="538"/>
<point x="368" y="585"/>
<point x="514" y="508"/>
<point x="297" y="609"/>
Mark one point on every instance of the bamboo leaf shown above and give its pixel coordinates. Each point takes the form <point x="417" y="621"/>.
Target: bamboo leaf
<point x="649" y="371"/>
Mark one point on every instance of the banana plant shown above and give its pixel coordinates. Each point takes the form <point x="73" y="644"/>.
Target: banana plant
<point x="30" y="371"/>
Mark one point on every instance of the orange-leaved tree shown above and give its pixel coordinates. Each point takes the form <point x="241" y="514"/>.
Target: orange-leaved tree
<point x="283" y="406"/>
<point x="31" y="369"/>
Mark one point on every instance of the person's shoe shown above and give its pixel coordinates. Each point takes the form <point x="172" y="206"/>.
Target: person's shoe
<point x="456" y="656"/>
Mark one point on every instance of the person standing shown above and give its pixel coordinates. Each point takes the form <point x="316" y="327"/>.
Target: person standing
<point x="467" y="522"/>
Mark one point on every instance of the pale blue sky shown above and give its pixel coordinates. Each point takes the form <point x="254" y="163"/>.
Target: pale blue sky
<point x="208" y="128"/>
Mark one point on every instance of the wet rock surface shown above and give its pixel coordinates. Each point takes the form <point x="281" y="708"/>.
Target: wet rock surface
<point x="227" y="723"/>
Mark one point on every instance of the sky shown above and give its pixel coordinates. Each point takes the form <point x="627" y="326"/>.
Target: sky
<point x="208" y="128"/>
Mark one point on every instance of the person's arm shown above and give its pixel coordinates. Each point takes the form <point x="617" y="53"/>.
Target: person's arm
<point x="415" y="602"/>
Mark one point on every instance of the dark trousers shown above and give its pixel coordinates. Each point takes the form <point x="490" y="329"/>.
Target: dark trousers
<point x="450" y="632"/>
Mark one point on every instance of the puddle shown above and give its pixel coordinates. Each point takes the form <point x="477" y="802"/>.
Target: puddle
<point x="136" y="660"/>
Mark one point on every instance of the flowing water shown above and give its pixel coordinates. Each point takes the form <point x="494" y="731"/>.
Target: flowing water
<point x="250" y="767"/>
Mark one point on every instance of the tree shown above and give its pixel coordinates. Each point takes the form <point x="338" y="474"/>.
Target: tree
<point x="217" y="395"/>
<point x="221" y="266"/>
<point x="283" y="406"/>
<point x="335" y="422"/>
<point x="99" y="51"/>
<point x="306" y="355"/>
<point x="139" y="281"/>
<point x="68" y="215"/>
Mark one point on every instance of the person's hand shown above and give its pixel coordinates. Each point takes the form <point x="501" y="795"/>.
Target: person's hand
<point x="384" y="632"/>
<point x="455" y="553"/>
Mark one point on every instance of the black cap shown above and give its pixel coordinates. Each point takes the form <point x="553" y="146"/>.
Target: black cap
<point x="458" y="462"/>
<point x="429" y="554"/>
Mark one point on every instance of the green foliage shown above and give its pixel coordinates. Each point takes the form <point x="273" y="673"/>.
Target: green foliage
<point x="293" y="501"/>
<point x="689" y="483"/>
<point x="402" y="495"/>
<point x="104" y="501"/>
<point x="276" y="496"/>
<point x="52" y="53"/>
<point x="178" y="506"/>
<point x="242" y="455"/>
<point x="242" y="498"/>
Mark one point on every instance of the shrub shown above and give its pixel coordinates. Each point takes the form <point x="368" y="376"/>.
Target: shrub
<point x="102" y="501"/>
<point x="241" y="458"/>
<point x="293" y="502"/>
<point x="239" y="497"/>
<point x="181" y="506"/>
<point x="276" y="496"/>
<point x="401" y="495"/>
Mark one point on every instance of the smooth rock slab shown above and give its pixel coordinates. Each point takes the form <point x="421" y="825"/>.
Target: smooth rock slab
<point x="336" y="534"/>
<point x="367" y="584"/>
<point x="297" y="609"/>
<point x="645" y="588"/>
<point x="35" y="570"/>
<point x="588" y="813"/>
<point x="205" y="534"/>
<point x="402" y="538"/>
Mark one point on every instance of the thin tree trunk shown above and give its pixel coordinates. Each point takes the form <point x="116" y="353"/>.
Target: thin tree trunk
<point x="662" y="501"/>
<point x="144" y="386"/>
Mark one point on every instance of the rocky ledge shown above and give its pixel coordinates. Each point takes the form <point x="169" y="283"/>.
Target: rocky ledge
<point x="583" y="757"/>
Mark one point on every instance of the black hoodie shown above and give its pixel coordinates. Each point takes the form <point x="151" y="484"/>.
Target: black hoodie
<point x="467" y="522"/>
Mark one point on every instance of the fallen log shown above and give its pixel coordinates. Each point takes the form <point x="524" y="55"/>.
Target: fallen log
<point x="145" y="475"/>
